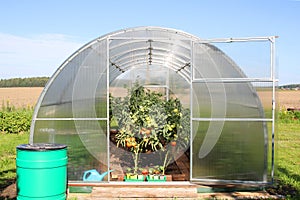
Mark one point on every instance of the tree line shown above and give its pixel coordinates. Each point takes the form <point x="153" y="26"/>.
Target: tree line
<point x="290" y="86"/>
<point x="24" y="82"/>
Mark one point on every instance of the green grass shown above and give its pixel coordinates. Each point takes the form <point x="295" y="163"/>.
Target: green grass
<point x="288" y="158"/>
<point x="9" y="142"/>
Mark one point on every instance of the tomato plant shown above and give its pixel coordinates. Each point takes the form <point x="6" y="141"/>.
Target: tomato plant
<point x="147" y="122"/>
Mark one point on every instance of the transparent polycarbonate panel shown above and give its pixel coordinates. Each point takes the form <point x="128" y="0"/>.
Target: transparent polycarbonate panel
<point x="210" y="62"/>
<point x="179" y="88"/>
<point x="61" y="110"/>
<point x="122" y="54"/>
<point x="61" y="87"/>
<point x="253" y="57"/>
<point x="232" y="100"/>
<point x="81" y="94"/>
<point x="86" y="141"/>
<point x="90" y="86"/>
<point x="237" y="151"/>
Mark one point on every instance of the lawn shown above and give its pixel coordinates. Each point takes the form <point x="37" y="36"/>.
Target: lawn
<point x="8" y="156"/>
<point x="288" y="159"/>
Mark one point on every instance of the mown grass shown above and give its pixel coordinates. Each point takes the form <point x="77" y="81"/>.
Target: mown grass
<point x="8" y="145"/>
<point x="288" y="160"/>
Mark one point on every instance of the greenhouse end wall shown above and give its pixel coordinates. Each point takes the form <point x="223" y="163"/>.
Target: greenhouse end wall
<point x="218" y="109"/>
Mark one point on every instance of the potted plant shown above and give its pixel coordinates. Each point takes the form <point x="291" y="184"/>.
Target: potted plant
<point x="133" y="176"/>
<point x="128" y="173"/>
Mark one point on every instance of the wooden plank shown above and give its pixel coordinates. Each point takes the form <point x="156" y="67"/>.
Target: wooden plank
<point x="115" y="190"/>
<point x="115" y="184"/>
<point x="112" y="192"/>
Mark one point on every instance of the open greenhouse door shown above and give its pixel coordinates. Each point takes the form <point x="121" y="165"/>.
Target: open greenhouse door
<point x="153" y="139"/>
<point x="229" y="132"/>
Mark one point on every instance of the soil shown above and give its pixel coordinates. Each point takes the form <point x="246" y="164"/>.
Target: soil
<point x="10" y="192"/>
<point x="284" y="191"/>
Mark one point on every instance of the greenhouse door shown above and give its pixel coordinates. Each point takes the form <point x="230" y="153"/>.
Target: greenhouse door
<point x="207" y="105"/>
<point x="229" y="122"/>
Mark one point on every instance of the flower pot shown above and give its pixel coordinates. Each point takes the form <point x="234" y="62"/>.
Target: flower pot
<point x="156" y="178"/>
<point x="168" y="177"/>
<point x="140" y="177"/>
<point x="128" y="175"/>
<point x="134" y="178"/>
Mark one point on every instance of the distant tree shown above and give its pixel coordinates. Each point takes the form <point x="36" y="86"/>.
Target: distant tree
<point x="24" y="82"/>
<point x="290" y="86"/>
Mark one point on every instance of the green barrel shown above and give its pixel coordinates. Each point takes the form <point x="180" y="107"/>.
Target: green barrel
<point x="41" y="171"/>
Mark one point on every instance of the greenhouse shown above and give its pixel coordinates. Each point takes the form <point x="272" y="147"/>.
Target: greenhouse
<point x="152" y="103"/>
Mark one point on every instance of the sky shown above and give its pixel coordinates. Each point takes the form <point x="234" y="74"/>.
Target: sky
<point x="36" y="37"/>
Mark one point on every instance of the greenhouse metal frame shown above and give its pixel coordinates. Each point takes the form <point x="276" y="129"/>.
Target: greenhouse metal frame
<point x="232" y="128"/>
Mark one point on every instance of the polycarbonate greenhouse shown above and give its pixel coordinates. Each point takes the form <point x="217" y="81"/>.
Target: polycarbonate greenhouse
<point x="158" y="100"/>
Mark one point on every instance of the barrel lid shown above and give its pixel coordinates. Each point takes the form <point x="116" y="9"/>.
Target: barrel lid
<point x="41" y="146"/>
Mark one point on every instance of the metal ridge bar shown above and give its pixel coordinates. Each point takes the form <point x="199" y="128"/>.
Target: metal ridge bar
<point x="242" y="39"/>
<point x="233" y="119"/>
<point x="69" y="119"/>
<point x="222" y="80"/>
<point x="108" y="105"/>
<point x="181" y="38"/>
<point x="226" y="181"/>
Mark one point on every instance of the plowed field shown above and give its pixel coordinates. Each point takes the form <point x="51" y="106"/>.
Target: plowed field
<point x="24" y="97"/>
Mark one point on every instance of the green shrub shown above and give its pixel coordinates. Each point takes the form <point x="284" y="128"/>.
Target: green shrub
<point x="15" y="120"/>
<point x="289" y="116"/>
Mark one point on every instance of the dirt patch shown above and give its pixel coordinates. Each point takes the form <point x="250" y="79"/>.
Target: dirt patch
<point x="10" y="192"/>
